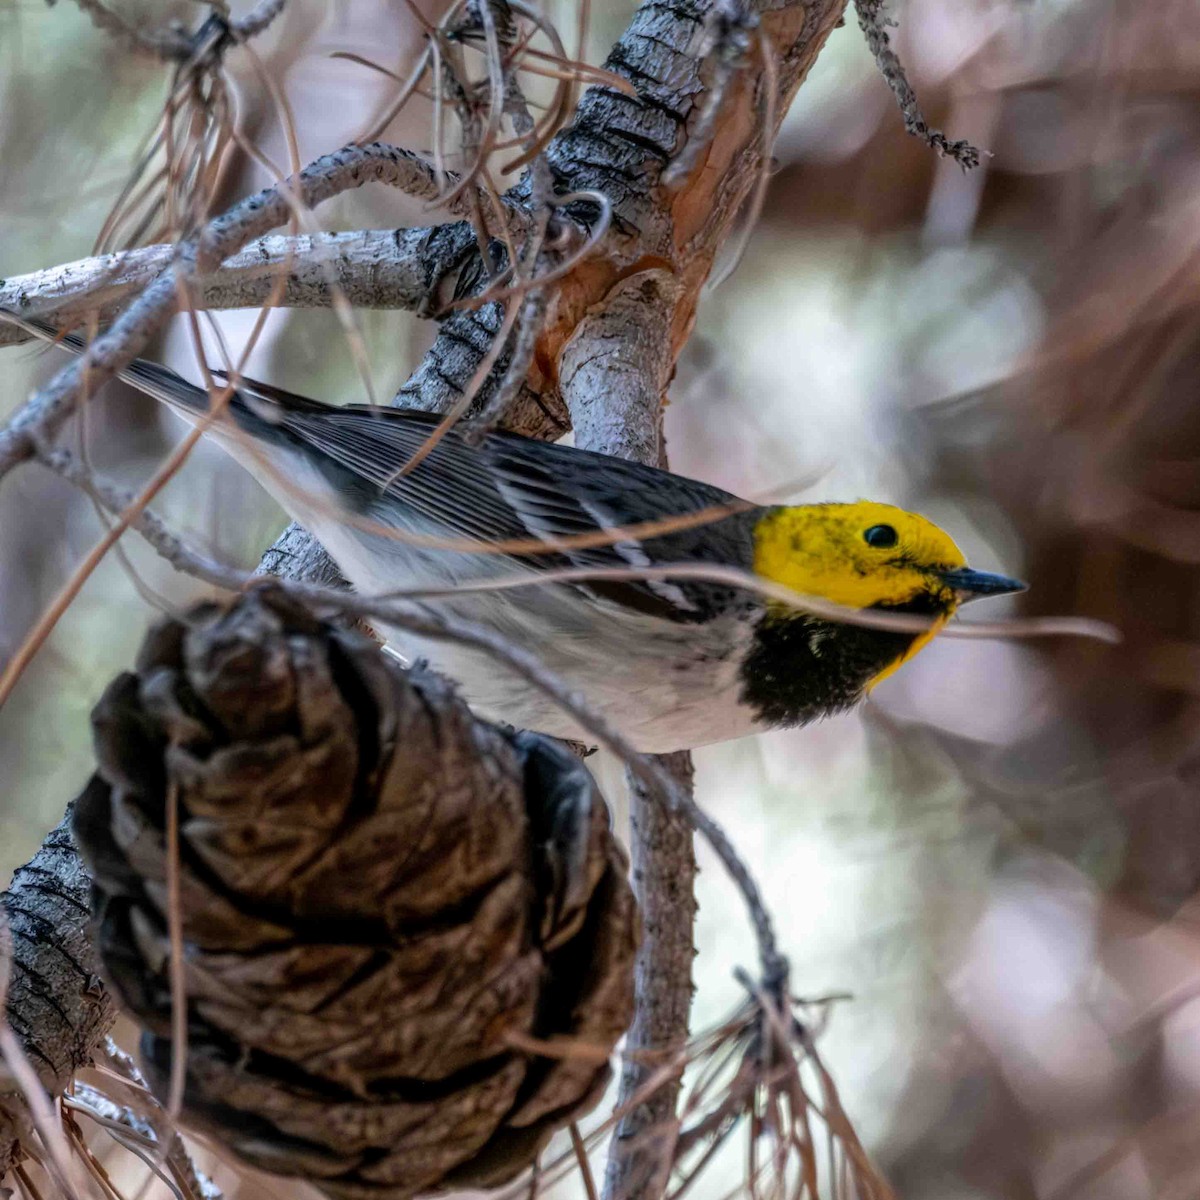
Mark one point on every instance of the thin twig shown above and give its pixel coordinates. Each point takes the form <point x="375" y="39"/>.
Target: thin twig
<point x="864" y="618"/>
<point x="585" y="1165"/>
<point x="37" y="421"/>
<point x="257" y="19"/>
<point x="874" y="24"/>
<point x="175" y="936"/>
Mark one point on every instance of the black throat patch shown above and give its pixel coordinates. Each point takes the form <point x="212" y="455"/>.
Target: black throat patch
<point x="800" y="668"/>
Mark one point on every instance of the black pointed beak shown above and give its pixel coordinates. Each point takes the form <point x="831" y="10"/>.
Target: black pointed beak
<point x="974" y="585"/>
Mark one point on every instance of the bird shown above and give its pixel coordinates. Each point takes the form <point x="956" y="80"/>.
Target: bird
<point x="673" y="663"/>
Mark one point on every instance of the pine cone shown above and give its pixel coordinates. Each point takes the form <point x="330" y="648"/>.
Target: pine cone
<point x="384" y="900"/>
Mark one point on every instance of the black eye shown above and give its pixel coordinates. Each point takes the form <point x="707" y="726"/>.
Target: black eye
<point x="881" y="537"/>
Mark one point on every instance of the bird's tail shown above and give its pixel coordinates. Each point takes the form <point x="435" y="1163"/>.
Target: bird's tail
<point x="152" y="378"/>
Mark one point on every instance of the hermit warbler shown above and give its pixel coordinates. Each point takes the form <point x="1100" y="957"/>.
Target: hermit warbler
<point x="673" y="662"/>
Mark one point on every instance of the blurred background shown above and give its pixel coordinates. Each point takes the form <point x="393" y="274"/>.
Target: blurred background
<point x="998" y="857"/>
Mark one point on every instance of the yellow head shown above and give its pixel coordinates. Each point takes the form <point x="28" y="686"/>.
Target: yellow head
<point x="868" y="555"/>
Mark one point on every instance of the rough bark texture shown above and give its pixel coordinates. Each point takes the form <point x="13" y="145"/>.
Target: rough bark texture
<point x="296" y="556"/>
<point x="614" y="373"/>
<point x="664" y="879"/>
<point x="57" y="1005"/>
<point x="420" y="270"/>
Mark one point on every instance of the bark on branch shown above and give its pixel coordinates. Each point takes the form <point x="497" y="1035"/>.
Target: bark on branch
<point x="57" y="1005"/>
<point x="615" y="372"/>
<point x="418" y="270"/>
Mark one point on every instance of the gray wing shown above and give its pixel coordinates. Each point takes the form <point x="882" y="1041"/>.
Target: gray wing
<point x="510" y="488"/>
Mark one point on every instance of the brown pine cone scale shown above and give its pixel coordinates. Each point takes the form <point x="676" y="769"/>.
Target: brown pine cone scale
<point x="386" y="903"/>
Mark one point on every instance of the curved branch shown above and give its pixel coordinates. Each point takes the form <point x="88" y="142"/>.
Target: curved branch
<point x="410" y="269"/>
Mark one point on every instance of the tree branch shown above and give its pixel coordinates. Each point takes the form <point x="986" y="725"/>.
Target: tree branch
<point x="419" y="270"/>
<point x="873" y="23"/>
<point x="614" y="373"/>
